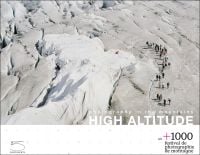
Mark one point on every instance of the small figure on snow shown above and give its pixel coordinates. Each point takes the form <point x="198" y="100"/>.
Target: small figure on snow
<point x="167" y="85"/>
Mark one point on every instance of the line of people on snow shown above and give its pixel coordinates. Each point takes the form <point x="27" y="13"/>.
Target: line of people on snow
<point x="161" y="52"/>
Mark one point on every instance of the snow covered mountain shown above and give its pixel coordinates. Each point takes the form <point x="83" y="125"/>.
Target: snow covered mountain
<point x="62" y="59"/>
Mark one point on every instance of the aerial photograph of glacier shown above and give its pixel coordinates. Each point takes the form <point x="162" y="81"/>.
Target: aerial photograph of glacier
<point x="66" y="62"/>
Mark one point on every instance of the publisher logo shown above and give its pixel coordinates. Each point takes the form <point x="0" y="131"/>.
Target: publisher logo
<point x="17" y="147"/>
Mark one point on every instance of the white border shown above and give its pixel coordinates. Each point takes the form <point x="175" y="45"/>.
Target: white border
<point x="85" y="139"/>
